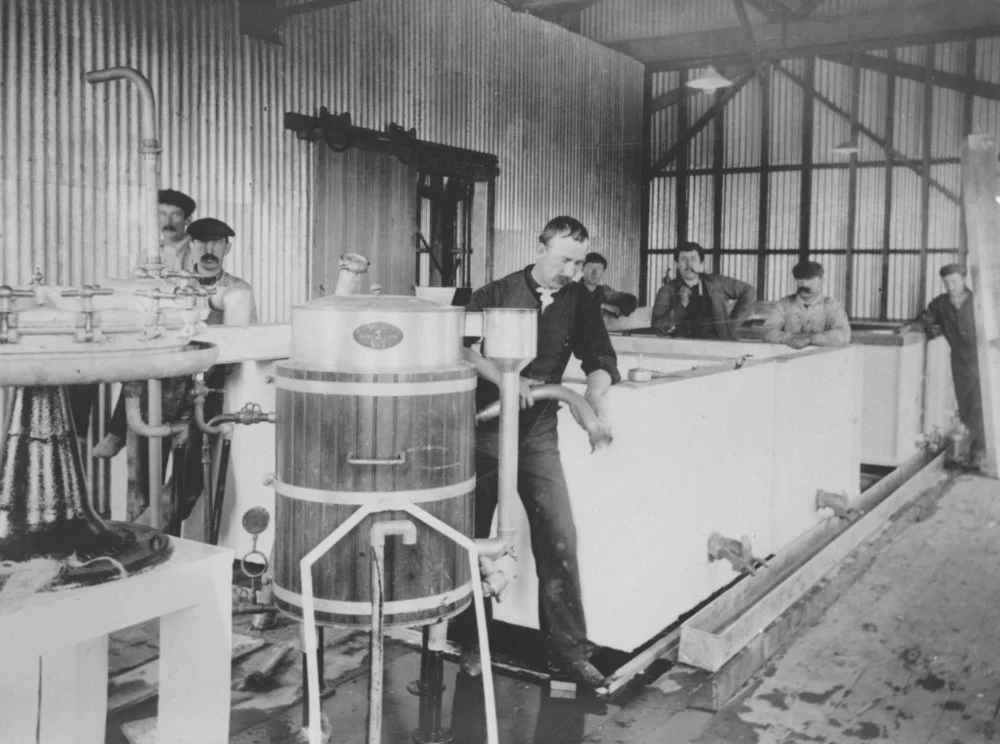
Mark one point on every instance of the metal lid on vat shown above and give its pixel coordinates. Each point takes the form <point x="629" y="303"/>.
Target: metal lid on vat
<point x="376" y="333"/>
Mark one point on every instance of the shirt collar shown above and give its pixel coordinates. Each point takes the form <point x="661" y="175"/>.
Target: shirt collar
<point x="534" y="286"/>
<point x="817" y="300"/>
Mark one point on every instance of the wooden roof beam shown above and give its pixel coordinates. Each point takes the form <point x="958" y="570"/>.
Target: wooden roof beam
<point x="896" y="155"/>
<point x="926" y="23"/>
<point x="952" y="80"/>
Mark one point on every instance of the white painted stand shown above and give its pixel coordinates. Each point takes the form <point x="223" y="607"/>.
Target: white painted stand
<point x="54" y="653"/>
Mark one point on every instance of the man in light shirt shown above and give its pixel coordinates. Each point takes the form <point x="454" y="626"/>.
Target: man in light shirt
<point x="808" y="317"/>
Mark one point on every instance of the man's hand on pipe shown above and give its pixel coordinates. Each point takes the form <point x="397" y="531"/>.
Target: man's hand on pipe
<point x="527" y="399"/>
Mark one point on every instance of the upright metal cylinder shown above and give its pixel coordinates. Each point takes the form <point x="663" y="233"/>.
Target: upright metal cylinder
<point x="374" y="405"/>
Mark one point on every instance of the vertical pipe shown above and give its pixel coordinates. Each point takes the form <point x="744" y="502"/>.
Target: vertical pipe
<point x="718" y="153"/>
<point x="377" y="659"/>
<point x="155" y="418"/>
<point x="852" y="190"/>
<point x="889" y="134"/>
<point x="510" y="410"/>
<point x="968" y="102"/>
<point x="491" y="218"/>
<point x="763" y="204"/>
<point x="680" y="174"/>
<point x="805" y="194"/>
<point x="927" y="133"/>
<point x="150" y="152"/>
<point x="645" y="196"/>
<point x="100" y="484"/>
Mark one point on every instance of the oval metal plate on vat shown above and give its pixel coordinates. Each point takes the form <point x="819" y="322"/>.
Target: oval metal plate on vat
<point x="255" y="520"/>
<point x="378" y="335"/>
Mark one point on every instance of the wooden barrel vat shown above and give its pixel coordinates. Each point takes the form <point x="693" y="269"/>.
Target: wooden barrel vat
<point x="349" y="438"/>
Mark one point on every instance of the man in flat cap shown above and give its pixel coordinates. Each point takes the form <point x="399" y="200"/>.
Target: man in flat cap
<point x="209" y="247"/>
<point x="951" y="314"/>
<point x="175" y="212"/>
<point x="808" y="317"/>
<point x="614" y="304"/>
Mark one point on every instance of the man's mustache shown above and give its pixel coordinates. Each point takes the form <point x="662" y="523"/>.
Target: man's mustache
<point x="803" y="291"/>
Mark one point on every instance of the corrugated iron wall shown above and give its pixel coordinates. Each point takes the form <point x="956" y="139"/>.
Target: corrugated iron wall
<point x="563" y="115"/>
<point x="894" y="252"/>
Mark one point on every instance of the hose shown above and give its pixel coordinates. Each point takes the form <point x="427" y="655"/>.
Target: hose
<point x="584" y="414"/>
<point x="220" y="489"/>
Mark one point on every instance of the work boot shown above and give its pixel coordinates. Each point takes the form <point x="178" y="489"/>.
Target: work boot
<point x="471" y="662"/>
<point x="108" y="447"/>
<point x="582" y="672"/>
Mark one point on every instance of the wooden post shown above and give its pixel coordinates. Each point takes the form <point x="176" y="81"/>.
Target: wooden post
<point x="982" y="218"/>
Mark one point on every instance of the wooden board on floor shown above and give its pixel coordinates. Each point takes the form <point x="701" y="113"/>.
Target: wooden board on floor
<point x="141" y="683"/>
<point x="724" y="627"/>
<point x="982" y="216"/>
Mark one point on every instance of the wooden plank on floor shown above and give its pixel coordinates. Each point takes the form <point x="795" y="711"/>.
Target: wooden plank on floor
<point x="717" y="633"/>
<point x="141" y="683"/>
<point x="727" y="682"/>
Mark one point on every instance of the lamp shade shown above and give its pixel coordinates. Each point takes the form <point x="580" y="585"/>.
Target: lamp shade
<point x="709" y="80"/>
<point x="849" y="147"/>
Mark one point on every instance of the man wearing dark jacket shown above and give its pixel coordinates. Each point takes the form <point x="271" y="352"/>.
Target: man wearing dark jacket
<point x="951" y="314"/>
<point x="614" y="304"/>
<point x="693" y="304"/>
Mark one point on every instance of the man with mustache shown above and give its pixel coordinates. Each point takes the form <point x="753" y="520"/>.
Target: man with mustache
<point x="695" y="304"/>
<point x="569" y="322"/>
<point x="808" y="317"/>
<point x="206" y="245"/>
<point x="175" y="210"/>
<point x="951" y="314"/>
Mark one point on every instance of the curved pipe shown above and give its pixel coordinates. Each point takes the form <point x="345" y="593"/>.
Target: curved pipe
<point x="599" y="436"/>
<point x="150" y="151"/>
<point x="133" y="414"/>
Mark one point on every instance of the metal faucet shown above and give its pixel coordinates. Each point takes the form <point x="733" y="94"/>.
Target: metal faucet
<point x="838" y="503"/>
<point x="738" y="552"/>
<point x="88" y="329"/>
<point x="8" y="315"/>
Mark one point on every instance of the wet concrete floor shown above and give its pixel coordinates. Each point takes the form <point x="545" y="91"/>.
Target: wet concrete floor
<point x="910" y="654"/>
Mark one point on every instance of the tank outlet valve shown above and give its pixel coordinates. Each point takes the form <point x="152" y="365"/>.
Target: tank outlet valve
<point x="838" y="503"/>
<point x="739" y="553"/>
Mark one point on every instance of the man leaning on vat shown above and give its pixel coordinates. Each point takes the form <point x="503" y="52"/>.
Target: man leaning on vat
<point x="808" y="317"/>
<point x="569" y="321"/>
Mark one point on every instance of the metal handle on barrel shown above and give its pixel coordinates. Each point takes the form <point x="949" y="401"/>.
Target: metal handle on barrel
<point x="399" y="459"/>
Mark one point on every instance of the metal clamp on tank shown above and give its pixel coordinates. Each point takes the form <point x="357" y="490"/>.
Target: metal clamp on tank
<point x="8" y="315"/>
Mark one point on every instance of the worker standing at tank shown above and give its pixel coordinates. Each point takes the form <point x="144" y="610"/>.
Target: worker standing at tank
<point x="951" y="314"/>
<point x="569" y="321"/>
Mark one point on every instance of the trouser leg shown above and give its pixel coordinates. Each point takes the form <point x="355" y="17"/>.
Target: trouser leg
<point x="970" y="404"/>
<point x="543" y="491"/>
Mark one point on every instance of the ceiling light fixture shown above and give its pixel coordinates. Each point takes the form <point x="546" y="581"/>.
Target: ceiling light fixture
<point x="849" y="147"/>
<point x="709" y="81"/>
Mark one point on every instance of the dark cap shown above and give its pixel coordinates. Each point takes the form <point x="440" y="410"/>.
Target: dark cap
<point x="953" y="268"/>
<point x="807" y="270"/>
<point x="178" y="199"/>
<point x="596" y="258"/>
<point x="208" y="228"/>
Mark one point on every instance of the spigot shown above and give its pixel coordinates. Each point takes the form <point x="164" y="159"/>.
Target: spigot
<point x="186" y="277"/>
<point x="252" y="413"/>
<point x="150" y="270"/>
<point x="152" y="329"/>
<point x="741" y="360"/>
<point x="931" y="440"/>
<point x="738" y="552"/>
<point x="838" y="503"/>
<point x="8" y="315"/>
<point x="190" y="314"/>
<point x="37" y="282"/>
<point x="87" y="327"/>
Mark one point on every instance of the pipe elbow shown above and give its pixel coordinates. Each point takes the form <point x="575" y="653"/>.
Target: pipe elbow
<point x="582" y="411"/>
<point x="150" y="132"/>
<point x="133" y="415"/>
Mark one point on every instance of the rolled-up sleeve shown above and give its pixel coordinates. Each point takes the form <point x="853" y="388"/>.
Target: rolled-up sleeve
<point x="774" y="326"/>
<point x="591" y="342"/>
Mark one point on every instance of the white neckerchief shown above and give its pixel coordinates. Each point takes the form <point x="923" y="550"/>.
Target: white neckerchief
<point x="545" y="295"/>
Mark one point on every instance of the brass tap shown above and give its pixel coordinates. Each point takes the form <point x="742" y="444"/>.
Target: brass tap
<point x="88" y="323"/>
<point x="8" y="315"/>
